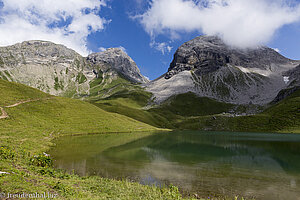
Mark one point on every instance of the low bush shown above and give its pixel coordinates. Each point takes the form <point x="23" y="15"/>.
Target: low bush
<point x="41" y="160"/>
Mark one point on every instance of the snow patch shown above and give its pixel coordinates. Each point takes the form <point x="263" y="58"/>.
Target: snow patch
<point x="255" y="70"/>
<point x="286" y="79"/>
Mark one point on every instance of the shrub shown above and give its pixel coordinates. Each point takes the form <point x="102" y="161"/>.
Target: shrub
<point x="41" y="160"/>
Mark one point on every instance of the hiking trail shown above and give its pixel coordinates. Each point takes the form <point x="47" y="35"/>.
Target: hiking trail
<point x="5" y="115"/>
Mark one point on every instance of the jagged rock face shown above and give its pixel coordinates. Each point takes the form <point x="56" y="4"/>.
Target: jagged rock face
<point x="207" y="54"/>
<point x="49" y="67"/>
<point x="293" y="76"/>
<point x="119" y="61"/>
<point x="210" y="68"/>
<point x="58" y="70"/>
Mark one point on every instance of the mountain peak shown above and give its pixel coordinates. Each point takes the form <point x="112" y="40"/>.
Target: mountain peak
<point x="209" y="53"/>
<point x="209" y="67"/>
<point x="38" y="42"/>
<point x="115" y="49"/>
<point x="215" y="41"/>
<point x="208" y="40"/>
<point x="39" y="49"/>
<point x="119" y="61"/>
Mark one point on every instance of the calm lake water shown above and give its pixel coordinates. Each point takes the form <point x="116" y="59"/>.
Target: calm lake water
<point x="263" y="166"/>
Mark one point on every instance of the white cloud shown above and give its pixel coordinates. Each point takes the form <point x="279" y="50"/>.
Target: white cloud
<point x="147" y="78"/>
<point x="241" y="23"/>
<point x="277" y="50"/>
<point x="123" y="49"/>
<point x="163" y="47"/>
<point x="101" y="49"/>
<point x="67" y="22"/>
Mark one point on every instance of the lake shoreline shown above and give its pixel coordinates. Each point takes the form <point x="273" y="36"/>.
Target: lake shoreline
<point x="194" y="161"/>
<point x="61" y="183"/>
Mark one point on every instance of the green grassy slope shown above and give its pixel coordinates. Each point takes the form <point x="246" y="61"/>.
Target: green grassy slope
<point x="282" y="117"/>
<point x="11" y="93"/>
<point x="67" y="116"/>
<point x="133" y="102"/>
<point x="29" y="131"/>
<point x="190" y="105"/>
<point x="187" y="111"/>
<point x="121" y="96"/>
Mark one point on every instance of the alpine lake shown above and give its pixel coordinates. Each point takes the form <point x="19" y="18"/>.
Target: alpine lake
<point x="202" y="164"/>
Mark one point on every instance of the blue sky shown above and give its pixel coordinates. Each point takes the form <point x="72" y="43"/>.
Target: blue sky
<point x="151" y="31"/>
<point x="128" y="33"/>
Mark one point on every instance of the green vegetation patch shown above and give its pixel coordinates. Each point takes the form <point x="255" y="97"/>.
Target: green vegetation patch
<point x="1" y="62"/>
<point x="167" y="115"/>
<point x="283" y="117"/>
<point x="58" y="84"/>
<point x="8" y="74"/>
<point x="7" y="153"/>
<point x="188" y="111"/>
<point x="77" y="63"/>
<point x="12" y="93"/>
<point x="189" y="104"/>
<point x="2" y="75"/>
<point x="80" y="78"/>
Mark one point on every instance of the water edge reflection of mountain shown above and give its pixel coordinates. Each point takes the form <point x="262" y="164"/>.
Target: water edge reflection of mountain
<point x="264" y="166"/>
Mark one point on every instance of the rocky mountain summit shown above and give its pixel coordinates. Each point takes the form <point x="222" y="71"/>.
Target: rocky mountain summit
<point x="208" y="67"/>
<point x="58" y="70"/>
<point x="44" y="65"/>
<point x="119" y="61"/>
<point x="207" y="54"/>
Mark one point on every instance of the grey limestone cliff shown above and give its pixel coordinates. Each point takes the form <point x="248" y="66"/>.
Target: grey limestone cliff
<point x="119" y="61"/>
<point x="44" y="65"/>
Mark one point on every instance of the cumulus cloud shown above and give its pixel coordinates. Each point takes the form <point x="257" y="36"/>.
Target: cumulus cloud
<point x="101" y="49"/>
<point x="67" y="22"/>
<point x="241" y="23"/>
<point x="163" y="47"/>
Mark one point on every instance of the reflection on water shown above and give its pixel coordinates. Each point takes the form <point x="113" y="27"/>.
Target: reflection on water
<point x="263" y="166"/>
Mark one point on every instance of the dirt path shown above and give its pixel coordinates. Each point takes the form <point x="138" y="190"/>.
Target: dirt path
<point x="5" y="115"/>
<point x="22" y="102"/>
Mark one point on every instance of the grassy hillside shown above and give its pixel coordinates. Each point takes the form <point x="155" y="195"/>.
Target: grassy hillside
<point x="29" y="131"/>
<point x="188" y="111"/>
<point x="282" y="117"/>
<point x="11" y="93"/>
<point x="133" y="103"/>
<point x="121" y="96"/>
